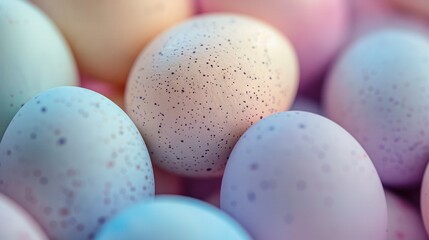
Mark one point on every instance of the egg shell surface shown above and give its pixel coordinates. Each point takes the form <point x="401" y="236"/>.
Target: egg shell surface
<point x="298" y="175"/>
<point x="172" y="217"/>
<point x="33" y="57"/>
<point x="72" y="159"/>
<point x="196" y="88"/>
<point x="378" y="92"/>
<point x="17" y="224"/>
<point x="107" y="36"/>
<point x="316" y="28"/>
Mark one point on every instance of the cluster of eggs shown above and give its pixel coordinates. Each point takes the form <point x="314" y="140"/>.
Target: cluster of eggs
<point x="214" y="119"/>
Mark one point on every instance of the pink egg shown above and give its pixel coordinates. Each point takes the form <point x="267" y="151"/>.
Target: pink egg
<point x="316" y="28"/>
<point x="16" y="224"/>
<point x="166" y="182"/>
<point x="404" y="220"/>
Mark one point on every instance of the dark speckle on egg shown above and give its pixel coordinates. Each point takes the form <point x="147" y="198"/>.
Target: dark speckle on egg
<point x="195" y="90"/>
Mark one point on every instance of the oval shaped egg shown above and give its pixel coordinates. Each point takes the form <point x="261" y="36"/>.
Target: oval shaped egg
<point x="404" y="220"/>
<point x="72" y="159"/>
<point x="298" y="175"/>
<point x="107" y="36"/>
<point x="378" y="91"/>
<point x="33" y="56"/>
<point x="200" y="85"/>
<point x="17" y="224"/>
<point x="316" y="28"/>
<point x="172" y="217"/>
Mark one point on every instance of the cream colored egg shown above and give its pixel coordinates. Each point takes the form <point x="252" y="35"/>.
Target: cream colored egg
<point x="199" y="86"/>
<point x="106" y="36"/>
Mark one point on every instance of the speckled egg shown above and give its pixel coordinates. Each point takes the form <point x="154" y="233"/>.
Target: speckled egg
<point x="72" y="159"/>
<point x="316" y="28"/>
<point x="404" y="220"/>
<point x="172" y="217"/>
<point x="16" y="223"/>
<point x="298" y="175"/>
<point x="200" y="85"/>
<point x="378" y="91"/>
<point x="33" y="57"/>
<point x="107" y="36"/>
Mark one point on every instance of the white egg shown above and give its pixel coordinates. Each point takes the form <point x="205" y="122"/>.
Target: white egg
<point x="72" y="159"/>
<point x="33" y="56"/>
<point x="298" y="175"/>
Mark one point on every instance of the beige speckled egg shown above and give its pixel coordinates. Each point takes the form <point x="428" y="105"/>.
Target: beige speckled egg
<point x="16" y="223"/>
<point x="199" y="86"/>
<point x="107" y="36"/>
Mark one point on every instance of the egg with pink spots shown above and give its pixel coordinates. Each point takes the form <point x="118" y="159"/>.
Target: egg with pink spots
<point x="404" y="220"/>
<point x="72" y="159"/>
<point x="16" y="223"/>
<point x="196" y="88"/>
<point x="378" y="91"/>
<point x="316" y="28"/>
<point x="298" y="175"/>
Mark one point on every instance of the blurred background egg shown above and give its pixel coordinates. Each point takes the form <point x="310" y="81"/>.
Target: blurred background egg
<point x="106" y="36"/>
<point x="196" y="88"/>
<point x="172" y="217"/>
<point x="33" y="57"/>
<point x="167" y="183"/>
<point x="298" y="175"/>
<point x="72" y="159"/>
<point x="378" y="91"/>
<point x="316" y="28"/>
<point x="404" y="220"/>
<point x="16" y="223"/>
<point x="415" y="6"/>
<point x="112" y="91"/>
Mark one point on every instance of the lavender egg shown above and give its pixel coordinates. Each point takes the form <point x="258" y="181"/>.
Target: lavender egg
<point x="298" y="175"/>
<point x="378" y="91"/>
<point x="72" y="159"/>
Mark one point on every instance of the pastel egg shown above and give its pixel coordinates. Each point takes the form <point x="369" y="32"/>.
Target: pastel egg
<point x="33" y="56"/>
<point x="172" y="217"/>
<point x="298" y="175"/>
<point x="72" y="159"/>
<point x="378" y="92"/>
<point x="17" y="224"/>
<point x="316" y="28"/>
<point x="404" y="221"/>
<point x="195" y="89"/>
<point x="107" y="36"/>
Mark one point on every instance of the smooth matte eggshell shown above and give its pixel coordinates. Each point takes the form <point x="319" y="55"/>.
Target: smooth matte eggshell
<point x="378" y="91"/>
<point x="298" y="175"/>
